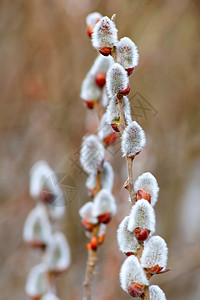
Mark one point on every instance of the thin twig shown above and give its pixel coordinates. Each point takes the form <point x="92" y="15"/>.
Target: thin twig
<point x="91" y="263"/>
<point x="92" y="254"/>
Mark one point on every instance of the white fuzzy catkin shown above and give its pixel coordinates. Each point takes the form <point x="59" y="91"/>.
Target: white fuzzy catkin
<point x="37" y="283"/>
<point x="126" y="240"/>
<point x="104" y="129"/>
<point x="148" y="183"/>
<point x="44" y="179"/>
<point x="127" y="53"/>
<point x="154" y="253"/>
<point x="104" y="202"/>
<point x="142" y="215"/>
<point x="42" y="176"/>
<point x="50" y="296"/>
<point x="107" y="178"/>
<point x="57" y="256"/>
<point x="37" y="228"/>
<point x="101" y="64"/>
<point x="133" y="139"/>
<point x="89" y="89"/>
<point x="155" y="293"/>
<point x="131" y="271"/>
<point x="116" y="80"/>
<point x="86" y="212"/>
<point x="104" y="34"/>
<point x="92" y="18"/>
<point x="113" y="114"/>
<point x="92" y="154"/>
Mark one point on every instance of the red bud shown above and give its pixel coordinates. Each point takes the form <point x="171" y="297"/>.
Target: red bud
<point x="105" y="51"/>
<point x="110" y="139"/>
<point x="130" y="71"/>
<point x="155" y="270"/>
<point x="105" y="218"/>
<point x="89" y="104"/>
<point x="126" y="91"/>
<point x="135" y="289"/>
<point x="88" y="246"/>
<point x="90" y="30"/>
<point x="86" y="225"/>
<point x="143" y="195"/>
<point x="129" y="253"/>
<point x="141" y="234"/>
<point x="100" y="79"/>
<point x="115" y="127"/>
<point x="101" y="239"/>
<point x="46" y="197"/>
<point x="37" y="244"/>
<point x="94" y="243"/>
<point x="36" y="297"/>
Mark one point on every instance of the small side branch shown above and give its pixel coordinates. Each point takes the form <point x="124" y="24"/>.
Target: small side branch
<point x="91" y="263"/>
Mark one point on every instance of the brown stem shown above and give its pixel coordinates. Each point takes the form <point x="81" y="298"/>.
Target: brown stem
<point x="129" y="162"/>
<point x="92" y="254"/>
<point x="91" y="262"/>
<point x="145" y="296"/>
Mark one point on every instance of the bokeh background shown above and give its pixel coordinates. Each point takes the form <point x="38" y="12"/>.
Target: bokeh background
<point x="44" y="56"/>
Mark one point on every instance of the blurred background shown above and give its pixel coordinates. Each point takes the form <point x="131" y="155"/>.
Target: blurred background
<point x="45" y="54"/>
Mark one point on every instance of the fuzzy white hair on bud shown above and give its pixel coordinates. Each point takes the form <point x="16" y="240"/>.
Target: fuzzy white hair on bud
<point x="92" y="154"/>
<point x="142" y="215"/>
<point x="50" y="296"/>
<point x="131" y="271"/>
<point x="105" y="99"/>
<point x="102" y="64"/>
<point x="89" y="89"/>
<point x="113" y="113"/>
<point x="57" y="257"/>
<point x="155" y="253"/>
<point x="86" y="212"/>
<point x="102" y="229"/>
<point x="43" y="177"/>
<point x="126" y="240"/>
<point x="104" y="34"/>
<point x="91" y="181"/>
<point x="133" y="139"/>
<point x="107" y="178"/>
<point x="104" y="129"/>
<point x="104" y="202"/>
<point x="117" y="80"/>
<point x="44" y="186"/>
<point x="37" y="228"/>
<point x="148" y="183"/>
<point x="93" y="18"/>
<point x="127" y="53"/>
<point x="37" y="283"/>
<point x="155" y="293"/>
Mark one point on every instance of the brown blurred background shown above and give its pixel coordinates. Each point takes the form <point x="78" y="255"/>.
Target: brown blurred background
<point x="44" y="56"/>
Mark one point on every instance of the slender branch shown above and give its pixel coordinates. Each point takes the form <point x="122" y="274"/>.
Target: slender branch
<point x="92" y="254"/>
<point x="91" y="263"/>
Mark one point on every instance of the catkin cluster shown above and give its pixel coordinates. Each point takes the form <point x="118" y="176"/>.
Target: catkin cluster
<point x="147" y="254"/>
<point x="38" y="233"/>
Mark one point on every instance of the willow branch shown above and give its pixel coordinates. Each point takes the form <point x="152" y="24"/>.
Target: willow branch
<point x="92" y="254"/>
<point x="91" y="263"/>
